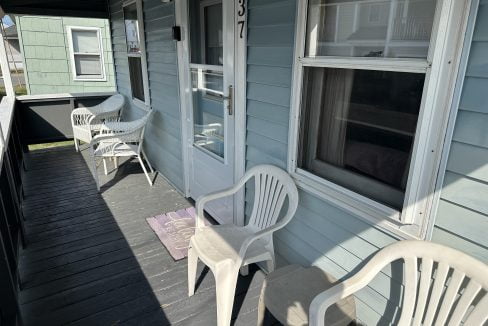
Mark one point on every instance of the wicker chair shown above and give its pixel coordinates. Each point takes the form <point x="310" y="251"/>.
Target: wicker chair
<point x="120" y="139"/>
<point x="86" y="122"/>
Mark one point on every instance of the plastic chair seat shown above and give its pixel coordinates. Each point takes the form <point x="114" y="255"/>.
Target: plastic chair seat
<point x="222" y="242"/>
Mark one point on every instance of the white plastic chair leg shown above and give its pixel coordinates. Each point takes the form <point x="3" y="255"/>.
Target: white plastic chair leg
<point x="144" y="169"/>
<point x="261" y="308"/>
<point x="116" y="162"/>
<point x="147" y="161"/>
<point x="105" y="170"/>
<point x="77" y="145"/>
<point x="192" y="270"/>
<point x="225" y="279"/>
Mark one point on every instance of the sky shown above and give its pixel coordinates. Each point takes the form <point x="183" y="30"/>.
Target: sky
<point x="7" y="21"/>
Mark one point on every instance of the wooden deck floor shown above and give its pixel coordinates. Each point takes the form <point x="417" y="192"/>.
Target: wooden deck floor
<point x="91" y="258"/>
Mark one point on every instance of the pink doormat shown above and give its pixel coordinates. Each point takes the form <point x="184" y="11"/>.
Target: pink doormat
<point x="175" y="229"/>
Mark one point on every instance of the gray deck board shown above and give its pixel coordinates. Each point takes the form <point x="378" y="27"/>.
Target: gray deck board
<point x="91" y="258"/>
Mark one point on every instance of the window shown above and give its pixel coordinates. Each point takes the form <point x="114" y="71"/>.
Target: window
<point x="368" y="110"/>
<point x="136" y="53"/>
<point x="85" y="44"/>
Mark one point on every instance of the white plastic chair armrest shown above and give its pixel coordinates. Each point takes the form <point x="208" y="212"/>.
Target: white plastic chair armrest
<point x="202" y="200"/>
<point x="262" y="233"/>
<point x="324" y="300"/>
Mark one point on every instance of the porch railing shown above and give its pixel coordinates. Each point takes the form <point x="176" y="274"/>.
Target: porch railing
<point x="25" y="120"/>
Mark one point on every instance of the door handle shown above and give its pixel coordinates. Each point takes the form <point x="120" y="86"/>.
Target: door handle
<point x="229" y="98"/>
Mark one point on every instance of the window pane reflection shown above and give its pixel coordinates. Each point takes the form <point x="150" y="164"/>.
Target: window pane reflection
<point x="370" y="28"/>
<point x="208" y="114"/>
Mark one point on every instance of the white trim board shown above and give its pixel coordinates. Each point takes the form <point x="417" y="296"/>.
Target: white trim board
<point x="441" y="69"/>
<point x="146" y="104"/>
<point x="453" y="113"/>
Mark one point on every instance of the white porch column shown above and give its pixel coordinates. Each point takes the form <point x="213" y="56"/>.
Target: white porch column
<point x="7" y="78"/>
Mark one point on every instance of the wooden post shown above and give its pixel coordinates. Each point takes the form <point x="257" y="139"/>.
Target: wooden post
<point x="7" y="77"/>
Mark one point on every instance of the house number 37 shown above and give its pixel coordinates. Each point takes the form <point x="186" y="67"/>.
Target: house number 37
<point x="241" y="17"/>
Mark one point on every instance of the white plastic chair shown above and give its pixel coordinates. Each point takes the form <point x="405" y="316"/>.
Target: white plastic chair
<point x="86" y="122"/>
<point x="423" y="303"/>
<point x="120" y="139"/>
<point x="227" y="248"/>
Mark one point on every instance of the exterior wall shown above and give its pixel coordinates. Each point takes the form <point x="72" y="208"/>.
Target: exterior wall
<point x="326" y="236"/>
<point x="44" y="44"/>
<point x="320" y="234"/>
<point x="462" y="220"/>
<point x="163" y="134"/>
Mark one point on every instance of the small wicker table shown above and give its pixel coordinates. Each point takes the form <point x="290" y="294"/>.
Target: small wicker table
<point x="288" y="292"/>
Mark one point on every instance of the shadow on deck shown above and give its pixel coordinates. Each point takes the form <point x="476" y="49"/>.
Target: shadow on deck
<point x="91" y="258"/>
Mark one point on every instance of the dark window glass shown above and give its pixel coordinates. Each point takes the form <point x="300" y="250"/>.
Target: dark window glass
<point x="358" y="127"/>
<point x="136" y="82"/>
<point x="206" y="35"/>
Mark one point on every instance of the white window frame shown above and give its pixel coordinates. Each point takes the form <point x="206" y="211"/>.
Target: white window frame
<point x="146" y="104"/>
<point x="440" y="70"/>
<point x="72" y="53"/>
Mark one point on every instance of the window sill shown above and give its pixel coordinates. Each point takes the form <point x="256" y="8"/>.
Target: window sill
<point x="90" y="80"/>
<point x="141" y="105"/>
<point x="374" y="213"/>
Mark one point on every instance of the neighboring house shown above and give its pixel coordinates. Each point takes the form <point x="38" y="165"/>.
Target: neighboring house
<point x="66" y="55"/>
<point x="379" y="112"/>
<point x="12" y="46"/>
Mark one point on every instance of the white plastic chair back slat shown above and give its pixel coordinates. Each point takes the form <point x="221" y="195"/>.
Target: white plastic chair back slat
<point x="450" y="296"/>
<point x="411" y="279"/>
<point x="464" y="302"/>
<point x="424" y="286"/>
<point x="452" y="286"/>
<point x="272" y="187"/>
<point x="437" y="289"/>
<point x="479" y="314"/>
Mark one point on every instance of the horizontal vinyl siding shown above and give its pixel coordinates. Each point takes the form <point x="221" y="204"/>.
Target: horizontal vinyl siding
<point x="320" y="233"/>
<point x="44" y="44"/>
<point x="462" y="218"/>
<point x="163" y="133"/>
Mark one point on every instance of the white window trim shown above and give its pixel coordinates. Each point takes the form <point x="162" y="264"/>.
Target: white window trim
<point x="441" y="70"/>
<point x="72" y="53"/>
<point x="146" y="104"/>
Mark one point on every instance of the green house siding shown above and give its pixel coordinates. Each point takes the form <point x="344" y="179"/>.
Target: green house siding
<point x="163" y="134"/>
<point x="44" y="44"/>
<point x="462" y="219"/>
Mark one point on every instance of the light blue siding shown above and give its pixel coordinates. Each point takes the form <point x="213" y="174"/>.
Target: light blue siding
<point x="462" y="219"/>
<point x="163" y="134"/>
<point x="321" y="233"/>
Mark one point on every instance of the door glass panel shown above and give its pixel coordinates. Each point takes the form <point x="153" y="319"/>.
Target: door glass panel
<point x="206" y="32"/>
<point x="208" y="113"/>
<point x="370" y="28"/>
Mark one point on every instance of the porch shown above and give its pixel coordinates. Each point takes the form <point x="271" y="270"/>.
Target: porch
<point x="79" y="256"/>
<point x="91" y="258"/>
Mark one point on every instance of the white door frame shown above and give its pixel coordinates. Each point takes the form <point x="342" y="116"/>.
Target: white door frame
<point x="240" y="59"/>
